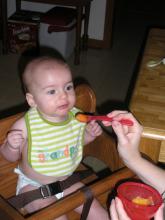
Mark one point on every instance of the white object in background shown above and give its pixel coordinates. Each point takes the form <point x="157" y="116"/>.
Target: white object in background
<point x="153" y="63"/>
<point x="63" y="42"/>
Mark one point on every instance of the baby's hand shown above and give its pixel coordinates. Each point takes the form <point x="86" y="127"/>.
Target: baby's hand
<point x="15" y="138"/>
<point x="93" y="130"/>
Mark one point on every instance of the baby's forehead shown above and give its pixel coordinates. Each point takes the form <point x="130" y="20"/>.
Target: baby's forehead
<point x="46" y="64"/>
<point x="37" y="67"/>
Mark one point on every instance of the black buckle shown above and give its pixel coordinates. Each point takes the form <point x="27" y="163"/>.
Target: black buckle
<point x="50" y="189"/>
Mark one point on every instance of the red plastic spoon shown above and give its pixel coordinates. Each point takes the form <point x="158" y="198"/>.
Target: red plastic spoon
<point x="86" y="118"/>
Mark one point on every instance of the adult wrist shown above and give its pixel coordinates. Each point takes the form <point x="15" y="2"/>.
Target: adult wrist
<point x="134" y="159"/>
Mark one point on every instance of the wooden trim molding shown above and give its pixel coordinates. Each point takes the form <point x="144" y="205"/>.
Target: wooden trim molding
<point x="92" y="43"/>
<point x="108" y="26"/>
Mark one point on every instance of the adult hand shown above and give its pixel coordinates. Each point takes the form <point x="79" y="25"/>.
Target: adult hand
<point x="117" y="211"/>
<point x="159" y="213"/>
<point x="128" y="136"/>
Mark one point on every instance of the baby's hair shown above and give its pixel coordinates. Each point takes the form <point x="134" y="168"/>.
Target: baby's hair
<point x="33" y="64"/>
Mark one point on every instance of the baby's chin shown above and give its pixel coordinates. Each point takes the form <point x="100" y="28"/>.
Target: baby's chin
<point x="56" y="117"/>
<point x="62" y="115"/>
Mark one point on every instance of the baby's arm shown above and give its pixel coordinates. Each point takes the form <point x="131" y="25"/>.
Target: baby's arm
<point x="11" y="149"/>
<point x="92" y="130"/>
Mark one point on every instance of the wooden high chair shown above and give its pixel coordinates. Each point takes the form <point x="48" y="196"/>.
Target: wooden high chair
<point x="103" y="148"/>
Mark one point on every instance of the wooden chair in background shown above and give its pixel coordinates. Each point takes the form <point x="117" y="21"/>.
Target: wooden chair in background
<point x="103" y="148"/>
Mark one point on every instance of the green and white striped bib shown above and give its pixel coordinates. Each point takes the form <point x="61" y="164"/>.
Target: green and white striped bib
<point x="54" y="149"/>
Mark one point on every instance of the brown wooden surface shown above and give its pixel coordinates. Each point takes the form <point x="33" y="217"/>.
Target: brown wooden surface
<point x="85" y="98"/>
<point x="8" y="212"/>
<point x="104" y="148"/>
<point x="148" y="99"/>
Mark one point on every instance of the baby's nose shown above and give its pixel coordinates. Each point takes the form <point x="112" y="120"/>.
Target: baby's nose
<point x="63" y="94"/>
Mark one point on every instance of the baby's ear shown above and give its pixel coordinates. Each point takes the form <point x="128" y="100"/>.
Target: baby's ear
<point x="30" y="100"/>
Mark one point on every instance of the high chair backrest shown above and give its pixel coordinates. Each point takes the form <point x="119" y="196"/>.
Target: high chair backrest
<point x="85" y="98"/>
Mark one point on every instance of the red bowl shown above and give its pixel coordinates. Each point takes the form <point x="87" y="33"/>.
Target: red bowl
<point x="129" y="190"/>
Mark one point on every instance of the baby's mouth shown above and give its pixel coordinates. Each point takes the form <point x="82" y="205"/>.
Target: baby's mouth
<point x="62" y="107"/>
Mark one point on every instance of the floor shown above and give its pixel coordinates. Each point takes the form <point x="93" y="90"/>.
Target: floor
<point x="109" y="71"/>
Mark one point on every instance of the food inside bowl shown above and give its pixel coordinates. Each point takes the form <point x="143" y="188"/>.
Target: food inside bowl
<point x="143" y="201"/>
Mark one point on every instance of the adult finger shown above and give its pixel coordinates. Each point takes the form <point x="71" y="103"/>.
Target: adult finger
<point x="113" y="212"/>
<point x="122" y="215"/>
<point x="159" y="213"/>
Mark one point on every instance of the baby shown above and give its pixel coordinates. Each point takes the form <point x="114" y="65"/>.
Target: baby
<point x="48" y="141"/>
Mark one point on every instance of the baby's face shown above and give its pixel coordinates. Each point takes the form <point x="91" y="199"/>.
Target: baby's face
<point x="52" y="91"/>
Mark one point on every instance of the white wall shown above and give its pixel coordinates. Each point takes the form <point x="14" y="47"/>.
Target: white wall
<point x="10" y="7"/>
<point x="96" y="21"/>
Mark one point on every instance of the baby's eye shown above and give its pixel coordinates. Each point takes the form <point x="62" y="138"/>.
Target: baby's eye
<point x="69" y="87"/>
<point x="51" y="92"/>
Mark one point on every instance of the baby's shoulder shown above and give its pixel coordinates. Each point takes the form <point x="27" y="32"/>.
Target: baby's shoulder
<point x="19" y="124"/>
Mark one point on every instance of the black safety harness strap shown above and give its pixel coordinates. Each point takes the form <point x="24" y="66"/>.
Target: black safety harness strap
<point x="52" y="189"/>
<point x="89" y="199"/>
